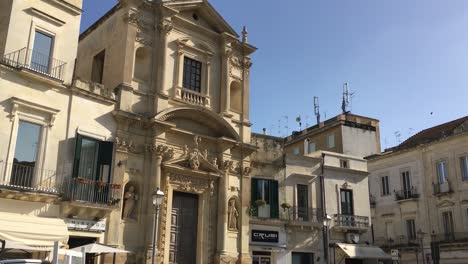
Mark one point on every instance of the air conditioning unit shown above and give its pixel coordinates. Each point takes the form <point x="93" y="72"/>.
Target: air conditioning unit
<point x="352" y="238"/>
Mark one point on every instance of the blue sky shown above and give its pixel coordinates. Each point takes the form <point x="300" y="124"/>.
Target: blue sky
<point x="403" y="59"/>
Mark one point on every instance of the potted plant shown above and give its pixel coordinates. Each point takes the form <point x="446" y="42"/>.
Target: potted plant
<point x="81" y="180"/>
<point x="285" y="206"/>
<point x="260" y="202"/>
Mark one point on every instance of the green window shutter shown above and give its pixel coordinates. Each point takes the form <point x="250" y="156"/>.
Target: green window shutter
<point x="274" y="206"/>
<point x="76" y="161"/>
<point x="254" y="195"/>
<point x="104" y="162"/>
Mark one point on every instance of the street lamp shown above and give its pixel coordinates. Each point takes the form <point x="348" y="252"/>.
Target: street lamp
<point x="420" y="235"/>
<point x="158" y="197"/>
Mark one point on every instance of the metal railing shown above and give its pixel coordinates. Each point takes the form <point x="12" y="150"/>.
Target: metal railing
<point x="441" y="188"/>
<point x="351" y="221"/>
<point x="450" y="237"/>
<point x="406" y="194"/>
<point x="35" y="61"/>
<point x="262" y="212"/>
<point x="26" y="176"/>
<point x="193" y="97"/>
<point x="401" y="241"/>
<point x="94" y="192"/>
<point x="301" y="214"/>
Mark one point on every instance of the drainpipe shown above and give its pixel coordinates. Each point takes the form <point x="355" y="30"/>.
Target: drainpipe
<point x="324" y="211"/>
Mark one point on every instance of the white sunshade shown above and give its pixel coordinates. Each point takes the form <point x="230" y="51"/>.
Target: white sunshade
<point x="363" y="251"/>
<point x="32" y="230"/>
<point x="71" y="253"/>
<point x="12" y="246"/>
<point x="99" y="249"/>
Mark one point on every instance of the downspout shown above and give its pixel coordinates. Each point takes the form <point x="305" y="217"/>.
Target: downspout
<point x="324" y="210"/>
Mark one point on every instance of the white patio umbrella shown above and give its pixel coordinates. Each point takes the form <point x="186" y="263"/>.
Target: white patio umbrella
<point x="17" y="247"/>
<point x="96" y="248"/>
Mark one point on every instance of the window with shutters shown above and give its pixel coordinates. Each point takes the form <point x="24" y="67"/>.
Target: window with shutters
<point x="93" y="159"/>
<point x="265" y="198"/>
<point x="384" y="186"/>
<point x="442" y="171"/>
<point x="464" y="167"/>
<point x="411" y="229"/>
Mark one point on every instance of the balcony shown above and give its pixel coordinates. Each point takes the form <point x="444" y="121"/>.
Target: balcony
<point x="27" y="181"/>
<point x="403" y="195"/>
<point x="442" y="188"/>
<point x="400" y="242"/>
<point x="350" y="222"/>
<point x="302" y="216"/>
<point x="192" y="97"/>
<point x="95" y="194"/>
<point x="35" y="62"/>
<point x="453" y="237"/>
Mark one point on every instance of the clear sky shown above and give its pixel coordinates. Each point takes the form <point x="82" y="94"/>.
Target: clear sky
<point x="403" y="59"/>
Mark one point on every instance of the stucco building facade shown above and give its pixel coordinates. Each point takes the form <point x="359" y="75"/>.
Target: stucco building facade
<point x="418" y="195"/>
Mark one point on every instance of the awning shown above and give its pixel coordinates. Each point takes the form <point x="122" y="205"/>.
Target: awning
<point x="32" y="231"/>
<point x="363" y="251"/>
<point x="99" y="249"/>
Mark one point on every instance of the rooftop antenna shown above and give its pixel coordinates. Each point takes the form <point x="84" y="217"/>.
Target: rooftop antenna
<point x="307" y="118"/>
<point x="345" y="104"/>
<point x="287" y="124"/>
<point x="317" y="109"/>
<point x="298" y="120"/>
<point x="397" y="136"/>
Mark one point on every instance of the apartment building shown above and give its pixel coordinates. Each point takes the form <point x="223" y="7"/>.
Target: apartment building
<point x="310" y="208"/>
<point x="57" y="133"/>
<point x="418" y="195"/>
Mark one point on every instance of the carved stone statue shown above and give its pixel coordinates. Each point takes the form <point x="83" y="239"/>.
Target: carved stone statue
<point x="194" y="162"/>
<point x="130" y="199"/>
<point x="233" y="214"/>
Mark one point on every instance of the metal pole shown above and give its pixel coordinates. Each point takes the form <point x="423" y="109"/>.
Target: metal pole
<point x="155" y="233"/>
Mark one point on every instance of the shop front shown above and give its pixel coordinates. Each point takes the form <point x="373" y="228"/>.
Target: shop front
<point x="359" y="254"/>
<point x="266" y="243"/>
<point x="83" y="232"/>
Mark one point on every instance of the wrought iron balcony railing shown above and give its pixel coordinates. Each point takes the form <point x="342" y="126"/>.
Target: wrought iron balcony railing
<point x="401" y="241"/>
<point x="351" y="221"/>
<point x="35" y="61"/>
<point x="92" y="192"/>
<point x="301" y="214"/>
<point x="406" y="194"/>
<point x="450" y="237"/>
<point x="27" y="176"/>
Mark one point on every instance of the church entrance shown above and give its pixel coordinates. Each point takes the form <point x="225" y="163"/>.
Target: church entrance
<point x="184" y="222"/>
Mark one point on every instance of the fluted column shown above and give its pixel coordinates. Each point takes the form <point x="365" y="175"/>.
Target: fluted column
<point x="165" y="27"/>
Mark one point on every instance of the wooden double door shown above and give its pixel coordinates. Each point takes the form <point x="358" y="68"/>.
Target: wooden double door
<point x="184" y="224"/>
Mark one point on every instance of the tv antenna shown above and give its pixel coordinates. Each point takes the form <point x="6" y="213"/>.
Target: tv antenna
<point x="397" y="136"/>
<point x="298" y="120"/>
<point x="317" y="109"/>
<point x="287" y="124"/>
<point x="345" y="104"/>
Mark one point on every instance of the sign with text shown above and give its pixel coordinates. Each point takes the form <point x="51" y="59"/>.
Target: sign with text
<point x="395" y="254"/>
<point x="86" y="225"/>
<point x="265" y="236"/>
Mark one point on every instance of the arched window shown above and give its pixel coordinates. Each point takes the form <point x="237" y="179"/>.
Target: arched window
<point x="142" y="64"/>
<point x="236" y="96"/>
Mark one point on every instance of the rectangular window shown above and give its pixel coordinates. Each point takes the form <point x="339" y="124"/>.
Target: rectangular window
<point x="344" y="164"/>
<point x="331" y="141"/>
<point x="26" y="150"/>
<point x="42" y="51"/>
<point x="347" y="207"/>
<point x="447" y="221"/>
<point x="192" y="74"/>
<point x="442" y="171"/>
<point x="93" y="159"/>
<point x="302" y="258"/>
<point x="296" y="151"/>
<point x="312" y="147"/>
<point x="265" y="198"/>
<point x="302" y="202"/>
<point x="464" y="167"/>
<point x="97" y="71"/>
<point x="385" y="186"/>
<point x="411" y="229"/>
<point x="389" y="230"/>
<point x="406" y="181"/>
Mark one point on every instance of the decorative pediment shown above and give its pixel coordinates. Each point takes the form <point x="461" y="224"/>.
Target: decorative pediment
<point x="445" y="203"/>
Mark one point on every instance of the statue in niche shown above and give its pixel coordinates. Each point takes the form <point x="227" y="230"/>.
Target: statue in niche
<point x="130" y="199"/>
<point x="233" y="215"/>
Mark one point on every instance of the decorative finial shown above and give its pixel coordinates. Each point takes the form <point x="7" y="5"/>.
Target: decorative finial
<point x="244" y="34"/>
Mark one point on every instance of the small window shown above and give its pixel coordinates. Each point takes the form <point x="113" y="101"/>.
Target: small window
<point x="442" y="171"/>
<point x="384" y="186"/>
<point x="312" y="147"/>
<point x="296" y="151"/>
<point x="42" y="52"/>
<point x="265" y="191"/>
<point x="411" y="229"/>
<point x="331" y="141"/>
<point x="192" y="74"/>
<point x="97" y="71"/>
<point x="344" y="164"/>
<point x="464" y="167"/>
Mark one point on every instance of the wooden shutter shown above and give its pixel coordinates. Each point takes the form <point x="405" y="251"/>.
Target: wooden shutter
<point x="254" y="194"/>
<point x="104" y="158"/>
<point x="76" y="161"/>
<point x="274" y="206"/>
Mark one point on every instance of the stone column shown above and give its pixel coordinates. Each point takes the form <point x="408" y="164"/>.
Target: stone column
<point x="164" y="27"/>
<point x="225" y="85"/>
<point x="244" y="233"/>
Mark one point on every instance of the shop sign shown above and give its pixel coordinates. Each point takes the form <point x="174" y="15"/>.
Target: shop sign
<point x="265" y="236"/>
<point x="86" y="225"/>
<point x="395" y="254"/>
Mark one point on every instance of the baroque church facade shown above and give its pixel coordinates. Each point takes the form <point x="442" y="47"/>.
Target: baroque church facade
<point x="181" y="76"/>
